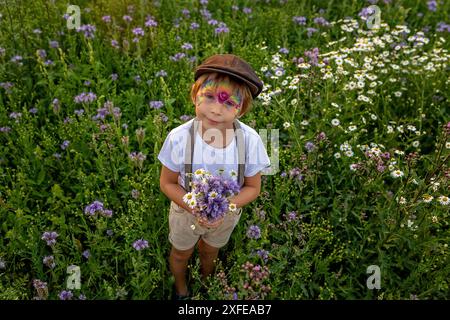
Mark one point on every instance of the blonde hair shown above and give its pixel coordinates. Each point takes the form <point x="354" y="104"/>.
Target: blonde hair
<point x="241" y="88"/>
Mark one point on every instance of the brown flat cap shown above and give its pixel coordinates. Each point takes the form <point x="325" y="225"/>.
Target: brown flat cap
<point x="234" y="66"/>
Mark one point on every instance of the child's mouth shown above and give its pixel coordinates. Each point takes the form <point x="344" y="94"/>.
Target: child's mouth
<point x="212" y="121"/>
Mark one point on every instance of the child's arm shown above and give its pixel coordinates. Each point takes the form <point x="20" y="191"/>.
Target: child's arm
<point x="249" y="192"/>
<point x="168" y="183"/>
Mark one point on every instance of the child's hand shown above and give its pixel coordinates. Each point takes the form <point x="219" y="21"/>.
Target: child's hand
<point x="205" y="223"/>
<point x="195" y="212"/>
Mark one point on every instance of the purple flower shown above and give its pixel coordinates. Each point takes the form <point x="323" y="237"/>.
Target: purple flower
<point x="284" y="50"/>
<point x="321" y="21"/>
<point x="88" y="30"/>
<point x="114" y="76"/>
<point x="299" y="20"/>
<point x="442" y="27"/>
<point x="140" y="244"/>
<point x="93" y="208"/>
<point x="205" y="14"/>
<point x="106" y="19"/>
<point x="187" y="46"/>
<point x="106" y="213"/>
<point x="185" y="117"/>
<point x="109" y="232"/>
<point x="50" y="237"/>
<point x="194" y="26"/>
<point x="213" y="22"/>
<point x="163" y="117"/>
<point x="150" y="22"/>
<point x="156" y="104"/>
<point x="247" y="10"/>
<point x="432" y="5"/>
<point x="86" y="254"/>
<point x="254" y="232"/>
<point x="65" y="295"/>
<point x="291" y="216"/>
<point x="310" y="31"/>
<point x="38" y="284"/>
<point x="138" y="32"/>
<point x="309" y="146"/>
<point x="212" y="194"/>
<point x="15" y="115"/>
<point x="263" y="254"/>
<point x="65" y="144"/>
<point x="313" y="56"/>
<point x="185" y="12"/>
<point x="178" y="56"/>
<point x="127" y="18"/>
<point x="366" y="12"/>
<point x="115" y="44"/>
<point x="49" y="261"/>
<point x="137" y="158"/>
<point x="41" y="53"/>
<point x="161" y="73"/>
<point x="222" y="28"/>
<point x="79" y="112"/>
<point x="85" y="97"/>
<point x="17" y="59"/>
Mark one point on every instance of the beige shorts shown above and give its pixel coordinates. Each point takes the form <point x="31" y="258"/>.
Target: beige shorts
<point x="184" y="231"/>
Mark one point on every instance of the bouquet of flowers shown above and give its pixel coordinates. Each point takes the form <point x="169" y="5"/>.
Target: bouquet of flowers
<point x="210" y="195"/>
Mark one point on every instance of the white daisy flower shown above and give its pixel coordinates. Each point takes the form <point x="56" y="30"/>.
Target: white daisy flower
<point x="232" y="207"/>
<point x="427" y="198"/>
<point x="192" y="203"/>
<point x="286" y="125"/>
<point x="188" y="197"/>
<point x="401" y="200"/>
<point x="212" y="194"/>
<point x="304" y="123"/>
<point x="444" y="200"/>
<point x="335" y="122"/>
<point x="349" y="153"/>
<point x="352" y="128"/>
<point x="396" y="174"/>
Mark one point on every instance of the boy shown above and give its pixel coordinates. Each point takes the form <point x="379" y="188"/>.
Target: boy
<point x="223" y="92"/>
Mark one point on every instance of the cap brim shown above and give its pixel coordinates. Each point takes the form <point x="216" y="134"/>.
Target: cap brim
<point x="253" y="88"/>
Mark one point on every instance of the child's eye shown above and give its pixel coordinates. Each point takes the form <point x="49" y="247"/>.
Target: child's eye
<point x="229" y="104"/>
<point x="209" y="96"/>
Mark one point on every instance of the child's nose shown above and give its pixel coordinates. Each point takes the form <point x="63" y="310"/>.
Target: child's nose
<point x="216" y="108"/>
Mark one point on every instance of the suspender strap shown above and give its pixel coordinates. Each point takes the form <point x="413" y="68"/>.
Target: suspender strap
<point x="189" y="154"/>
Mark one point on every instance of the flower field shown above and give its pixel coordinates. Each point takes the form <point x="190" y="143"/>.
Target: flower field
<point x="363" y="118"/>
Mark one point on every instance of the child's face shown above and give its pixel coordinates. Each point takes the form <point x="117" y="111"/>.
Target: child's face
<point x="217" y="104"/>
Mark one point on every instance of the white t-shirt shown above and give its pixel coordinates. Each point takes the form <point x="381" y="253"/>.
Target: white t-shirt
<point x="210" y="158"/>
